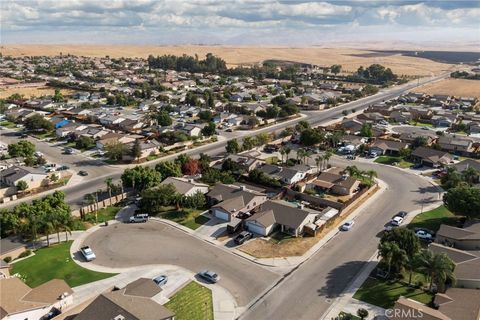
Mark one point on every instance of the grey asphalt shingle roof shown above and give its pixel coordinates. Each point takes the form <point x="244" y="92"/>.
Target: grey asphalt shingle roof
<point x="277" y="212"/>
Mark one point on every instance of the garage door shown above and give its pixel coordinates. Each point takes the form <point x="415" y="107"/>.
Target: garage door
<point x="256" y="229"/>
<point x="221" y="215"/>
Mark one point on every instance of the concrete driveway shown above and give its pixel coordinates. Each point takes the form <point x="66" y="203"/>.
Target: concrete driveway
<point x="128" y="245"/>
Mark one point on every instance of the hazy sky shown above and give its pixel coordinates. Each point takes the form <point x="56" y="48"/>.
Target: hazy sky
<point x="237" y="22"/>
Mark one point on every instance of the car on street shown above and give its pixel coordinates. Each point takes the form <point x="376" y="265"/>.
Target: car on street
<point x="161" y="280"/>
<point x="402" y="214"/>
<point x="242" y="237"/>
<point x="62" y="168"/>
<point x="83" y="173"/>
<point x="424" y="235"/>
<point x="396" y="221"/>
<point x="87" y="252"/>
<point x="210" y="276"/>
<point x="138" y="218"/>
<point x="347" y="225"/>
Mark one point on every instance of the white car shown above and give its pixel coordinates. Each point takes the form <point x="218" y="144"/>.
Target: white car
<point x="424" y="235"/>
<point x="396" y="221"/>
<point x="88" y="253"/>
<point x="348" y="225"/>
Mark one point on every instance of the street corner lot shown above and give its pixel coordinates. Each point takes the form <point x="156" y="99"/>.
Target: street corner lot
<point x="129" y="245"/>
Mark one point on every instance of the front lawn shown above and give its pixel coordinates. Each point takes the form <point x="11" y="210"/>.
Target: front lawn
<point x="384" y="293"/>
<point x="390" y="160"/>
<point x="189" y="218"/>
<point x="434" y="218"/>
<point x="192" y="302"/>
<point x="279" y="245"/>
<point x="55" y="263"/>
<point x="8" y="124"/>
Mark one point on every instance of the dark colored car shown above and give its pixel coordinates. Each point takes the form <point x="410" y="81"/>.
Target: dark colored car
<point x="51" y="314"/>
<point x="83" y="173"/>
<point x="402" y="214"/>
<point x="242" y="237"/>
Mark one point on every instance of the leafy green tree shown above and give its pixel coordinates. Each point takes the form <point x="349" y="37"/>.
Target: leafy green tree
<point x="232" y="146"/>
<point x="58" y="96"/>
<point x="362" y="313"/>
<point x="419" y="142"/>
<point x="10" y="223"/>
<point x="196" y="201"/>
<point x="169" y="169"/>
<point x="164" y="119"/>
<point x="85" y="143"/>
<point x="209" y="129"/>
<point x="205" y="115"/>
<point x="22" y="185"/>
<point x="38" y="122"/>
<point x="437" y="267"/>
<point x="310" y="137"/>
<point x="335" y="69"/>
<point x="471" y="175"/>
<point x="249" y="143"/>
<point x="451" y="179"/>
<point x="182" y="159"/>
<point x="140" y="178"/>
<point x="136" y="151"/>
<point x="115" y="150"/>
<point x="22" y="148"/>
<point x="463" y="200"/>
<point x="369" y="90"/>
<point x="366" y="130"/>
<point x="191" y="167"/>
<point x="155" y="199"/>
<point x="204" y="160"/>
<point x="263" y="138"/>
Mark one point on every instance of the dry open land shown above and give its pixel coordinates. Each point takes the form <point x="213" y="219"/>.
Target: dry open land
<point x="30" y="92"/>
<point x="349" y="58"/>
<point x="456" y="87"/>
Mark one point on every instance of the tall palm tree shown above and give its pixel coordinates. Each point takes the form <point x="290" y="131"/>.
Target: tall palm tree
<point x="327" y="157"/>
<point x="282" y="152"/>
<point x="109" y="183"/>
<point x="318" y="160"/>
<point x="438" y="267"/>
<point x="470" y="175"/>
<point x="287" y="152"/>
<point x="300" y="154"/>
<point x="390" y="252"/>
<point x="307" y="156"/>
<point x="47" y="225"/>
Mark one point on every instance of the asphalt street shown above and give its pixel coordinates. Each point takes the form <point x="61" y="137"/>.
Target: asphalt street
<point x="127" y="245"/>
<point x="309" y="291"/>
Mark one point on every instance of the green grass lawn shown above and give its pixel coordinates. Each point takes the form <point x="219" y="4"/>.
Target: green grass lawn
<point x="189" y="218"/>
<point x="55" y="262"/>
<point x="421" y="124"/>
<point x="8" y="124"/>
<point x="390" y="160"/>
<point x="343" y="315"/>
<point x="44" y="135"/>
<point x="434" y="218"/>
<point x="384" y="294"/>
<point x="192" y="302"/>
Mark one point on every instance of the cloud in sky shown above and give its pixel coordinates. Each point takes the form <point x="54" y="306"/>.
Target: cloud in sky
<point x="235" y="22"/>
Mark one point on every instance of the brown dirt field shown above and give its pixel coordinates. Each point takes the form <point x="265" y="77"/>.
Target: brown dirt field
<point x="261" y="248"/>
<point x="456" y="87"/>
<point x="31" y="91"/>
<point x="245" y="55"/>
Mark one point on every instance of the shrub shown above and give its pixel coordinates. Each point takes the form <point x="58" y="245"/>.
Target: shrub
<point x="7" y="259"/>
<point x="25" y="253"/>
<point x="362" y="313"/>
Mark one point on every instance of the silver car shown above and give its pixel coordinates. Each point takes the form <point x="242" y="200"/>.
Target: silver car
<point x="209" y="276"/>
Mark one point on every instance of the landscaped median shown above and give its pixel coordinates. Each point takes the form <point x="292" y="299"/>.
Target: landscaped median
<point x="192" y="302"/>
<point x="54" y="262"/>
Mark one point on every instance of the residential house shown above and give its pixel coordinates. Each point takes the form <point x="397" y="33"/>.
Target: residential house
<point x="186" y="187"/>
<point x="148" y="148"/>
<point x="351" y="125"/>
<point x="467" y="238"/>
<point x="442" y="121"/>
<point x="410" y="137"/>
<point x="191" y="130"/>
<point x="12" y="247"/>
<point x="467" y="163"/>
<point x="335" y="183"/>
<point x="229" y="201"/>
<point x="134" y="302"/>
<point x="67" y="129"/>
<point x="245" y="162"/>
<point x="109" y="120"/>
<point x="467" y="265"/>
<point x="280" y="216"/>
<point x="113" y="137"/>
<point x="431" y="157"/>
<point x="19" y="301"/>
<point x="131" y="125"/>
<point x="32" y="176"/>
<point x="455" y="144"/>
<point x="421" y="113"/>
<point x="285" y="175"/>
<point x="59" y="122"/>
<point x="454" y="304"/>
<point x="389" y="147"/>
<point x="4" y="269"/>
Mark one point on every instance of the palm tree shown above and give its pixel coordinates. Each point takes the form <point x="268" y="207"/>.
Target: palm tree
<point x="470" y="175"/>
<point x="327" y="157"/>
<point x="318" y="160"/>
<point x="390" y="251"/>
<point x="287" y="152"/>
<point x="438" y="267"/>
<point x="47" y="225"/>
<point x="282" y="152"/>
<point x="109" y="183"/>
<point x="300" y="154"/>
<point x="307" y="155"/>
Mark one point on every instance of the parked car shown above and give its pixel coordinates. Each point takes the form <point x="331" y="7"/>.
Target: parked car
<point x="351" y="157"/>
<point x="38" y="154"/>
<point x="389" y="227"/>
<point x="51" y="314"/>
<point x="161" y="280"/>
<point x="402" y="214"/>
<point x="83" y="173"/>
<point x="69" y="150"/>
<point x="62" y="168"/>
<point x="347" y="225"/>
<point x="242" y="237"/>
<point x="138" y="218"/>
<point x="424" y="235"/>
<point x="87" y="253"/>
<point x="396" y="221"/>
<point x="209" y="276"/>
